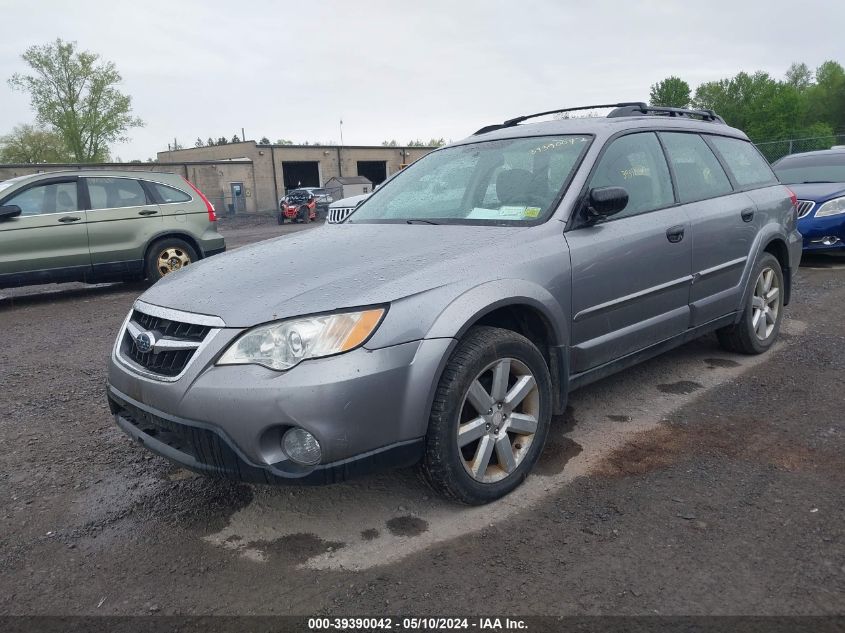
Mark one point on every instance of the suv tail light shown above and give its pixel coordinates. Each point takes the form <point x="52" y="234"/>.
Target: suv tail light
<point x="212" y="216"/>
<point x="792" y="197"/>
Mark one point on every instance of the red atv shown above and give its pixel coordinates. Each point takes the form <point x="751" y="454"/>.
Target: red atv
<point x="299" y="205"/>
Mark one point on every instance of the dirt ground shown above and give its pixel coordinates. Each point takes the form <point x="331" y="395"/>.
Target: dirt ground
<point x="698" y="483"/>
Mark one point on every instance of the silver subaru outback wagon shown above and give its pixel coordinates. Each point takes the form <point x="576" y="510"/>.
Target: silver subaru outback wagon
<point x="445" y="322"/>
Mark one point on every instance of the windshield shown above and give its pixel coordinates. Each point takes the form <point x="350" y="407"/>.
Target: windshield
<point x="794" y="170"/>
<point x="509" y="181"/>
<point x="298" y="195"/>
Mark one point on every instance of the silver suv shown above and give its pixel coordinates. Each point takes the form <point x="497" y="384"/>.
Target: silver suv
<point x="445" y="322"/>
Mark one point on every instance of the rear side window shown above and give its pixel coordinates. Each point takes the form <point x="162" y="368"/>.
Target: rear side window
<point x="636" y="163"/>
<point x="698" y="174"/>
<point x="115" y="193"/>
<point x="169" y="194"/>
<point x="744" y="162"/>
<point x="57" y="197"/>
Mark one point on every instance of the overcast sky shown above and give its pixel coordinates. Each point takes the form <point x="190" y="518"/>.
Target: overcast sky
<point x="401" y="69"/>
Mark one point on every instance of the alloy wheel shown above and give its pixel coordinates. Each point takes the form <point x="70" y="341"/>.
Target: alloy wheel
<point x="171" y="259"/>
<point x="765" y="304"/>
<point x="498" y="420"/>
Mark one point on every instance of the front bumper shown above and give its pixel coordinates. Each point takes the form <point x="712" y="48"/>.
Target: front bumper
<point x="208" y="450"/>
<point x="817" y="231"/>
<point x="368" y="409"/>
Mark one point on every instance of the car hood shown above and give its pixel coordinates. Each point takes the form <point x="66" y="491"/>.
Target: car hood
<point x="325" y="269"/>
<point x="818" y="191"/>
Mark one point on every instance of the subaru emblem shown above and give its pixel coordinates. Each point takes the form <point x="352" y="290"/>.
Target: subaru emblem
<point x="144" y="342"/>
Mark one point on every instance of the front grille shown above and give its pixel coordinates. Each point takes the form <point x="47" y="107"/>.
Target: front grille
<point x="176" y="343"/>
<point x="339" y="214"/>
<point x="173" y="329"/>
<point x="169" y="363"/>
<point x="804" y="208"/>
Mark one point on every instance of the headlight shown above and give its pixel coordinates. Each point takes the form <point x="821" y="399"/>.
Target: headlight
<point x="283" y="344"/>
<point x="831" y="207"/>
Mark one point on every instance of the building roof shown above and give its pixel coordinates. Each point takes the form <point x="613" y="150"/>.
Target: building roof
<point x="351" y="180"/>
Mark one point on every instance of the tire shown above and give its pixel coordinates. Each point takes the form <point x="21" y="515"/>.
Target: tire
<point x="446" y="466"/>
<point x="749" y="336"/>
<point x="156" y="268"/>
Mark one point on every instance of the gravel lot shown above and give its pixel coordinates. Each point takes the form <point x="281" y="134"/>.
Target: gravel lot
<point x="698" y="483"/>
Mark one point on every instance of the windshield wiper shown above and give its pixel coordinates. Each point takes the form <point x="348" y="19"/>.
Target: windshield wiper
<point x="816" y="182"/>
<point x="417" y="221"/>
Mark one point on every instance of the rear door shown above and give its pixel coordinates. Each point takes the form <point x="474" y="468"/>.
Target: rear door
<point x="122" y="219"/>
<point x="722" y="220"/>
<point x="631" y="273"/>
<point x="49" y="240"/>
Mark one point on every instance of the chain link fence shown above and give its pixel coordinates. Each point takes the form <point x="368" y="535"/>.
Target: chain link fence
<point x="773" y="150"/>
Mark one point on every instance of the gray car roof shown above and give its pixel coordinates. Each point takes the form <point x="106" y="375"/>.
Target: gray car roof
<point x="604" y="127"/>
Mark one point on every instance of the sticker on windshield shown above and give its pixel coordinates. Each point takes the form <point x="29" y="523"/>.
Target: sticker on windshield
<point x="531" y="212"/>
<point x="502" y="213"/>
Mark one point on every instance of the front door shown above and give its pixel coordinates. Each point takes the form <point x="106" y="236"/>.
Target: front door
<point x="122" y="221"/>
<point x="631" y="273"/>
<point x="49" y="241"/>
<point x="238" y="199"/>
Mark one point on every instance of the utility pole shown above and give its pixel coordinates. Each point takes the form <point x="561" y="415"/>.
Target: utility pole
<point x="243" y="135"/>
<point x="339" y="159"/>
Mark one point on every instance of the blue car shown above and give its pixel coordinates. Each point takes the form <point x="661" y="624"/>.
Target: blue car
<point x="818" y="180"/>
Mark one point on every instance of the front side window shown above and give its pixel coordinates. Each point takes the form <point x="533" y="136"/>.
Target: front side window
<point x="57" y="197"/>
<point x="798" y="169"/>
<point x="115" y="193"/>
<point x="698" y="174"/>
<point x="508" y="181"/>
<point x="745" y="163"/>
<point x="636" y="163"/>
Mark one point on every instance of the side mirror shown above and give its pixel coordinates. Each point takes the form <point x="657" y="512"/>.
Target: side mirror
<point x="9" y="211"/>
<point x="606" y="201"/>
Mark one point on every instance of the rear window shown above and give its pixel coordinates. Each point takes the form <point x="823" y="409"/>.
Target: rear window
<point x="169" y="194"/>
<point x="698" y="174"/>
<point x="745" y="163"/>
<point x="827" y="167"/>
<point x="115" y="193"/>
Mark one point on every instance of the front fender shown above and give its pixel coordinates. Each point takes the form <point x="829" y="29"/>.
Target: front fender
<point x="457" y="317"/>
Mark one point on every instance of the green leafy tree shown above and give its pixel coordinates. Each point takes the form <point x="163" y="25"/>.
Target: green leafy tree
<point x="199" y="142"/>
<point x="283" y="141"/>
<point x="390" y="143"/>
<point x="825" y="99"/>
<point x="76" y="93"/>
<point x="264" y="141"/>
<point x="222" y="141"/>
<point x="236" y="139"/>
<point x="672" y="92"/>
<point x="31" y="144"/>
<point x="210" y="142"/>
<point x="799" y="76"/>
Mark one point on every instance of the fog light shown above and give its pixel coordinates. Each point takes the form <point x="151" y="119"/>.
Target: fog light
<point x="301" y="446"/>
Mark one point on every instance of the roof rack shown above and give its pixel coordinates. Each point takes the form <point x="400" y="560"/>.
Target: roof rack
<point x="627" y="108"/>
<point x="641" y="109"/>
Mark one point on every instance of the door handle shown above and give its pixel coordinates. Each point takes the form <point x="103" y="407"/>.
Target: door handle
<point x="747" y="215"/>
<point x="69" y="218"/>
<point x="147" y="212"/>
<point x="675" y="233"/>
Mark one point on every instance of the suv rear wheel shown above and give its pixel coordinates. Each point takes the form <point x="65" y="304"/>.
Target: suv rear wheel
<point x="168" y="255"/>
<point x="758" y="328"/>
<point x="490" y="417"/>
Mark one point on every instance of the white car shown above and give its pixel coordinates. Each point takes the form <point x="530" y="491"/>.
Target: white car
<point x="342" y="209"/>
